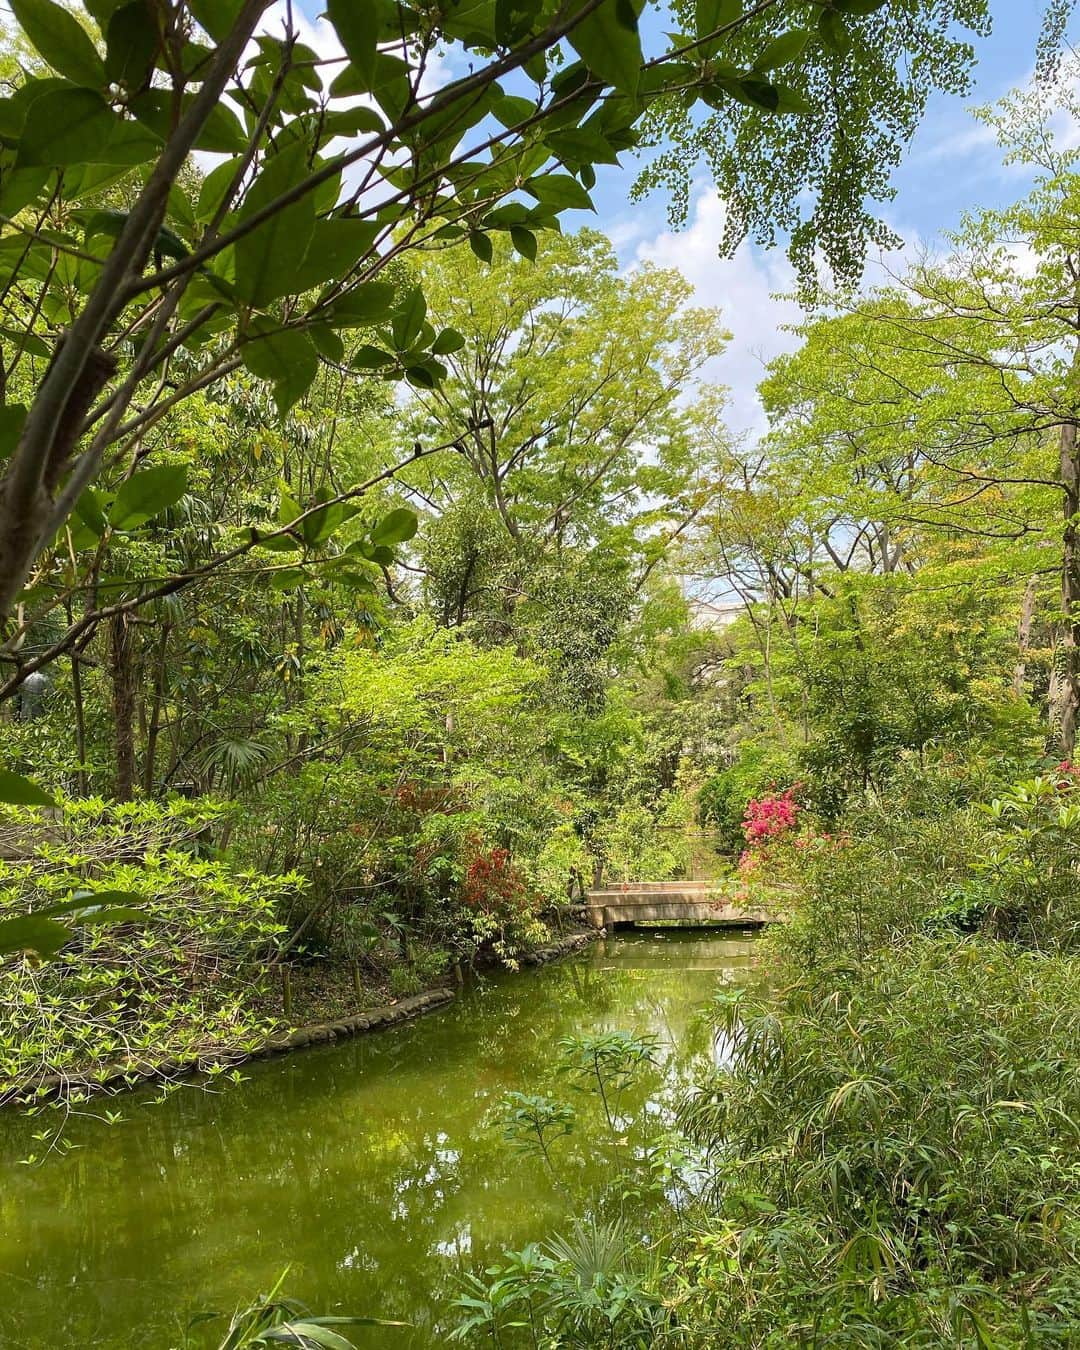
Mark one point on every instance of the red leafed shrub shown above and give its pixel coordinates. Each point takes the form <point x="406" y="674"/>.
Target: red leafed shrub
<point x="493" y="884"/>
<point x="1068" y="774"/>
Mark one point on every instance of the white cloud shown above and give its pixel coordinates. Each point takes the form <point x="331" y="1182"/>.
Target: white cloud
<point x="750" y="291"/>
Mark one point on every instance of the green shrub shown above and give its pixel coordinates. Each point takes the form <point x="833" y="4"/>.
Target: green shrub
<point x="181" y="985"/>
<point x="893" y="1156"/>
<point x="404" y="982"/>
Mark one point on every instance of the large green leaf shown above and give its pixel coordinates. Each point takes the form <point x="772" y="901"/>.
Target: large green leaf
<point x="132" y="43"/>
<point x="336" y="246"/>
<point x="285" y="357"/>
<point x="146" y="494"/>
<point x="608" y="42"/>
<point x="61" y="40"/>
<point x="481" y="245"/>
<point x="90" y="510"/>
<point x="32" y="933"/>
<point x="395" y="527"/>
<point x="359" y="26"/>
<point x="560" y="191"/>
<point x="449" y="340"/>
<point x="12" y="417"/>
<point x="834" y="32"/>
<point x="267" y="257"/>
<point x="784" y="49"/>
<point x="221" y="132"/>
<point x="709" y="15"/>
<point x="15" y="790"/>
<point x="364" y="305"/>
<point x="409" y="318"/>
<point x="216" y="16"/>
<point x="77" y="126"/>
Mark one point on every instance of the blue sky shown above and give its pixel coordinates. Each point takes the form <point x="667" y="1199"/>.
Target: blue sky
<point x="953" y="165"/>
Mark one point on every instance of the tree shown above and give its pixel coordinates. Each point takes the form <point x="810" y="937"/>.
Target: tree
<point x="128" y="286"/>
<point x="564" y="393"/>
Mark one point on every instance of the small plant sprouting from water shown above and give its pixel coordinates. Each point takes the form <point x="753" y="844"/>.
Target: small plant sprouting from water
<point x="273" y="1320"/>
<point x="610" y="1060"/>
<point x="583" y="1288"/>
<point x="531" y="1121"/>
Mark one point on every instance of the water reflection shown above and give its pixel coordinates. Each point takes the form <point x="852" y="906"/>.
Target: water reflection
<point x="371" y="1167"/>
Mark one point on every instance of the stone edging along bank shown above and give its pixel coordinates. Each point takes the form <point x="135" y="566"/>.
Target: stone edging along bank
<point x="406" y="1008"/>
<point x="319" y="1033"/>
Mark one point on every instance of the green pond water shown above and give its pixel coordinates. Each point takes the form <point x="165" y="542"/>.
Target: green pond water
<point x="372" y="1167"/>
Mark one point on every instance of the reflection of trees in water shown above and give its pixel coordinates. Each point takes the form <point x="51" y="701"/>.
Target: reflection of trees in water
<point x="371" y="1167"/>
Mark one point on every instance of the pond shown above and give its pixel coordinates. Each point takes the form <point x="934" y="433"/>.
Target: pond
<point x="372" y="1168"/>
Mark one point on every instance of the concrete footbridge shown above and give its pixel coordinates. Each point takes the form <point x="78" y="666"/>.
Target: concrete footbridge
<point x="692" y="903"/>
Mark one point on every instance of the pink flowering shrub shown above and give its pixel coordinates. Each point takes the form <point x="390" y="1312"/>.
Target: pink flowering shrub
<point x="776" y="833"/>
<point x="767" y="821"/>
<point x="770" y="816"/>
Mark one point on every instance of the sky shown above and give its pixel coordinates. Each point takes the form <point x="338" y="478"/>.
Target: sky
<point x="953" y="164"/>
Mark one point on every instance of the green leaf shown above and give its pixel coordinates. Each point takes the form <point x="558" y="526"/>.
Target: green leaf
<point x="31" y="933"/>
<point x="358" y="26"/>
<point x="524" y="242"/>
<point x="15" y="790"/>
<point x="288" y="578"/>
<point x="61" y="40"/>
<point x="83" y="900"/>
<point x="19" y="187"/>
<point x="366" y="304"/>
<point x="216" y="16"/>
<point x="132" y="43"/>
<point x="754" y="93"/>
<point x="409" y="318"/>
<point x="608" y="42"/>
<point x="791" y="101"/>
<point x="421" y="377"/>
<point x="510" y="110"/>
<point x="285" y="357"/>
<point x="449" y="340"/>
<point x="336" y="246"/>
<point x="279" y="543"/>
<point x="146" y="494"/>
<point x="784" y="49"/>
<point x="102" y="10"/>
<point x="12" y="417"/>
<point x="560" y="191"/>
<point x="351" y="122"/>
<point x="371" y="358"/>
<point x="481" y="245"/>
<point x="76" y="126"/>
<point x="266" y="258"/>
<point x="306" y="1334"/>
<point x="395" y="527"/>
<point x="709" y="15"/>
<point x="90" y="510"/>
<point x="582" y="145"/>
<point x="834" y="32"/>
<point x="327" y="343"/>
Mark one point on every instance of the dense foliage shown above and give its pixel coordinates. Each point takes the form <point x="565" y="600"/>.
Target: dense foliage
<point x="359" y="536"/>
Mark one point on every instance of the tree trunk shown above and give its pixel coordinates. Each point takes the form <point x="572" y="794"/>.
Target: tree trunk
<point x="153" y="729"/>
<point x="1023" y="636"/>
<point x="122" y="663"/>
<point x="1069" y="650"/>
